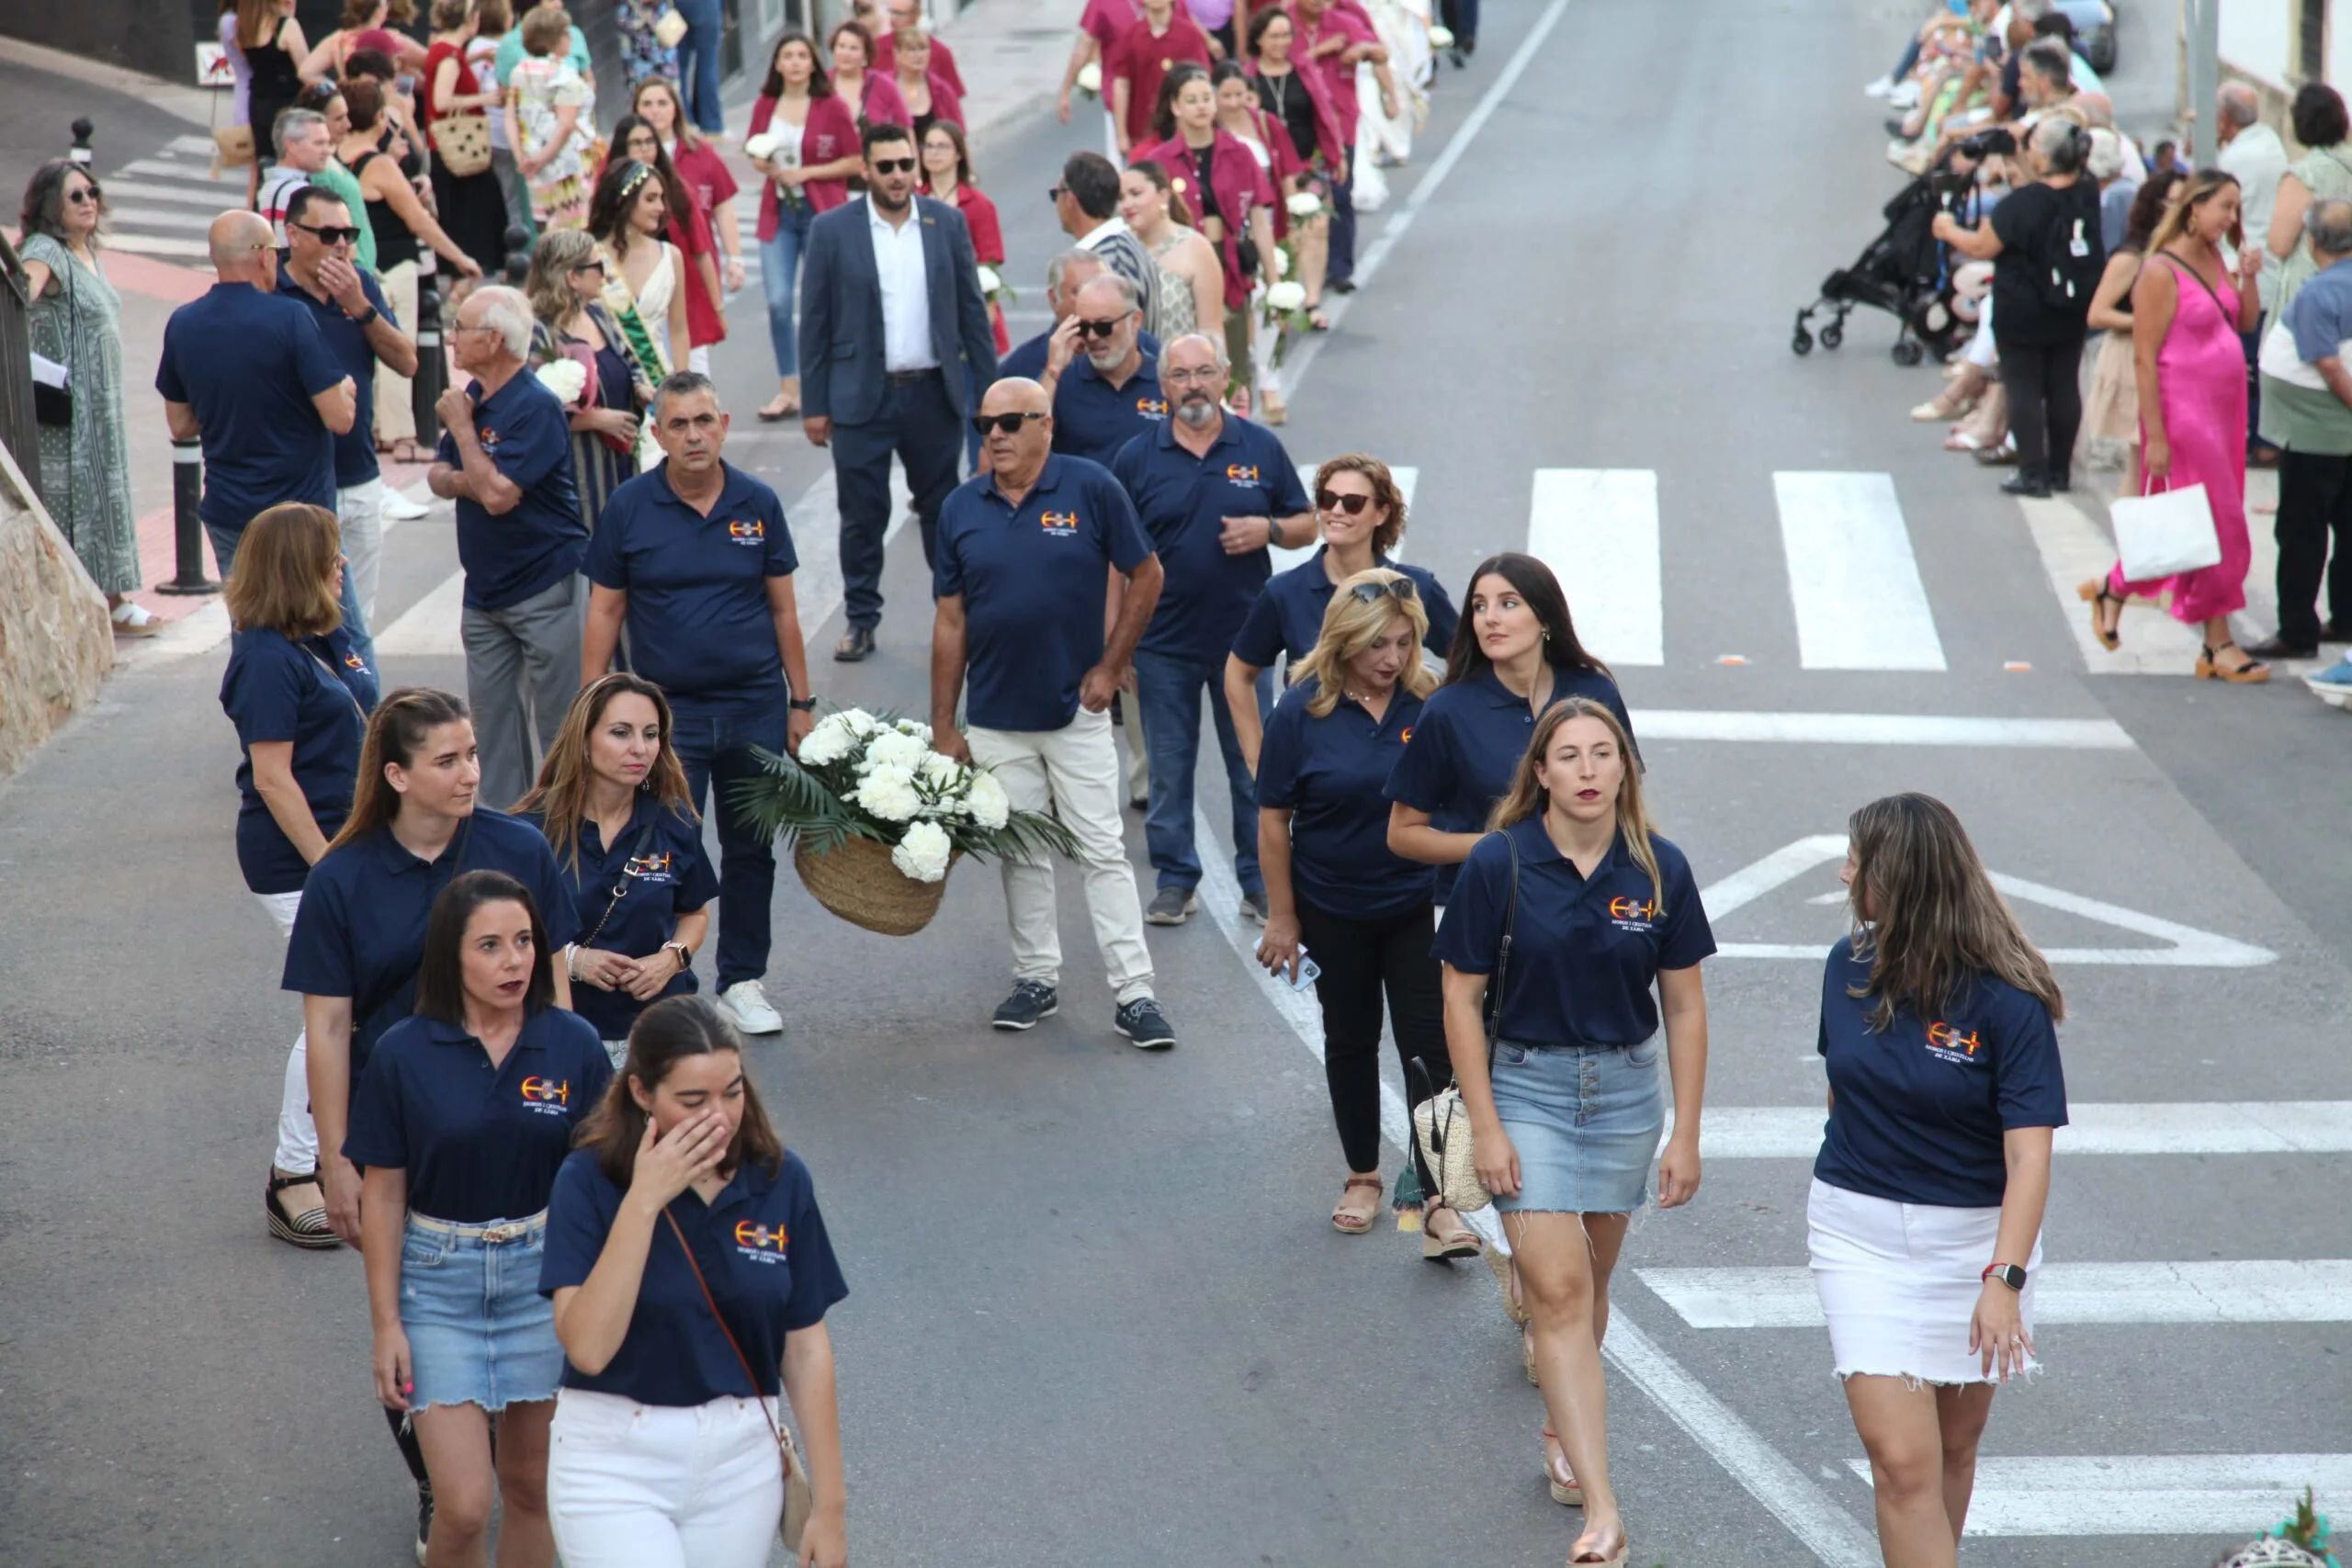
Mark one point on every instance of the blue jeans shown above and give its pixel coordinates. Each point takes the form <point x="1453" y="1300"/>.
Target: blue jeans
<point x="1169" y="687"/>
<point x="714" y="740"/>
<point x="699" y="64"/>
<point x="224" y="555"/>
<point x="780" y="279"/>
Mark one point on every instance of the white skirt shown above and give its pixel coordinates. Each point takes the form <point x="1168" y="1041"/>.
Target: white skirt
<point x="1899" y="1284"/>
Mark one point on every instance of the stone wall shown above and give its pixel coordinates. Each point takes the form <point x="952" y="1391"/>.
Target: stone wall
<point x="55" y="644"/>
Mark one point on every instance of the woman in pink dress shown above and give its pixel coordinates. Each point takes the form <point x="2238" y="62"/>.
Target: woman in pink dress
<point x="2186" y="313"/>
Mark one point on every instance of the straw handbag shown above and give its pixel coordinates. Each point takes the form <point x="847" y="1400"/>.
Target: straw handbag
<point x="1441" y="1121"/>
<point x="462" y="142"/>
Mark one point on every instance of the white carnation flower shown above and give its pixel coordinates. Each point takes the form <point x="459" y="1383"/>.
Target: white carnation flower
<point x="990" y="281"/>
<point x="1304" y="204"/>
<point x="760" y="147"/>
<point x="1090" y="79"/>
<point x="1280" y="263"/>
<point x="889" y="793"/>
<point x="860" y="721"/>
<point x="941" y="772"/>
<point x="893" y="748"/>
<point x="922" y="853"/>
<point x="1286" y="297"/>
<point x="986" y="800"/>
<point x="829" y="742"/>
<point x="565" y="377"/>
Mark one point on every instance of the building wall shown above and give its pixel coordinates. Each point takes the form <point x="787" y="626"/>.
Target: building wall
<point x="2259" y="38"/>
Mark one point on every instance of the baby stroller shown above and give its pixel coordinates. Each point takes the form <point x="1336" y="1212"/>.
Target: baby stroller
<point x="1901" y="272"/>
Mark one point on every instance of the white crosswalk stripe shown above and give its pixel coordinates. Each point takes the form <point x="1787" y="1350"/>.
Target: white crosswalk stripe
<point x="1598" y="530"/>
<point x="1860" y="603"/>
<point x="2201" y="1494"/>
<point x="160" y="203"/>
<point x="2313" y="1290"/>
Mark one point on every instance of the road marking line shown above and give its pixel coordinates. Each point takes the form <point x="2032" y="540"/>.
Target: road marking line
<point x="2258" y="1290"/>
<point x="1881" y="728"/>
<point x="159" y="218"/>
<point x="1407" y="481"/>
<point x="189" y="194"/>
<point x="2187" y="947"/>
<point x="2147" y="1493"/>
<point x="433" y="628"/>
<point x="157" y="246"/>
<point x="2074" y="549"/>
<point x="1811" y="1514"/>
<point x="1596" y="529"/>
<point x="2244" y="1127"/>
<point x="173" y="169"/>
<point x="1855" y="583"/>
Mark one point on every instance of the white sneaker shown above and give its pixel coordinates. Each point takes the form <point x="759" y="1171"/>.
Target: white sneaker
<point x="1906" y="95"/>
<point x="399" y="508"/>
<point x="749" y="1005"/>
<point x="1878" y="88"/>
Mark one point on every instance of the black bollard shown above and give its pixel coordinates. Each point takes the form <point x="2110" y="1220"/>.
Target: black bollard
<point x="80" y="152"/>
<point x="187" y="531"/>
<point x="518" y="255"/>
<point x="432" y="367"/>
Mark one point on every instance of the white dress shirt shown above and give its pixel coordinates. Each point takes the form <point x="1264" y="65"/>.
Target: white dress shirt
<point x="905" y="290"/>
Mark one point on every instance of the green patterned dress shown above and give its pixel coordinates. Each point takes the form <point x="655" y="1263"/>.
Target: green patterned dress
<point x="84" y="470"/>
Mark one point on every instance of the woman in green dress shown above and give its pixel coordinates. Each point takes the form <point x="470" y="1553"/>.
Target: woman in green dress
<point x="84" y="473"/>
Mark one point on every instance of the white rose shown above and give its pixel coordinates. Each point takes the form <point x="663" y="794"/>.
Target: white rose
<point x="990" y="281"/>
<point x="1282" y="262"/>
<point x="922" y="854"/>
<point x="1440" y="37"/>
<point x="760" y="147"/>
<point x="892" y="748"/>
<point x="1090" y="78"/>
<point x="889" y="793"/>
<point x="1306" y="204"/>
<point x="987" y="802"/>
<point x="565" y="377"/>
<point x="1286" y="297"/>
<point x="829" y="742"/>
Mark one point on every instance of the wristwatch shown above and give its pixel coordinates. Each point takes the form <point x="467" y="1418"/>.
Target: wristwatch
<point x="686" y="954"/>
<point x="2009" y="1274"/>
<point x="363" y="320"/>
<point x="802" y="704"/>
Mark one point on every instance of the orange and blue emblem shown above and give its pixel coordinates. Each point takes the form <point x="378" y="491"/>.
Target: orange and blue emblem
<point x="1632" y="910"/>
<point x="1057" y="522"/>
<point x="650" y="865"/>
<point x="1152" y="407"/>
<point x="544" y="1091"/>
<point x="1945" y="1037"/>
<point x="1242" y="473"/>
<point x="757" y="1238"/>
<point x="752" y="533"/>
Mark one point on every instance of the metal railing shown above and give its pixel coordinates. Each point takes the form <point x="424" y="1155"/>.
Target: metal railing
<point x="18" y="432"/>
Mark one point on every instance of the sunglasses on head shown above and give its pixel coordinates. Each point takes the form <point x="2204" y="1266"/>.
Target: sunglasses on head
<point x="1096" y="329"/>
<point x="894" y="166"/>
<point x="1332" y="500"/>
<point x="1373" y="593"/>
<point x="329" y="233"/>
<point x="1009" y="423"/>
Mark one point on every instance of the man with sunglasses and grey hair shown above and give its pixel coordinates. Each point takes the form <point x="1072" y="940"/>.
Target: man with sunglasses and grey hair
<point x="356" y="321"/>
<point x="1024" y="550"/>
<point x="1102" y="371"/>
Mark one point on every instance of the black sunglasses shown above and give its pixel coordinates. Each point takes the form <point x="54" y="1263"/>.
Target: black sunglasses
<point x="328" y="233"/>
<point x="1332" y="500"/>
<point x="894" y="166"/>
<point x="1054" y="194"/>
<point x="85" y="194"/>
<point x="1373" y="593"/>
<point x="1096" y="329"/>
<point x="1010" y="424"/>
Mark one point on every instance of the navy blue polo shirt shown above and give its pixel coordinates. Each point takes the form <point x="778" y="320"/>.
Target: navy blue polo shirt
<point x="316" y="694"/>
<point x="354" y="450"/>
<point x="360" y="932"/>
<point x="479" y="1141"/>
<point x="658" y="864"/>
<point x="1920" y="1110"/>
<point x="1032" y="578"/>
<point x="1328" y="774"/>
<point x="1183" y="502"/>
<point x="1469" y="742"/>
<point x="526" y="433"/>
<point x="762" y="1248"/>
<point x="1025" y="361"/>
<point x="249" y="364"/>
<point x="1288" y="616"/>
<point x="1584" y="953"/>
<point x="699" y="625"/>
<point x="1092" y="419"/>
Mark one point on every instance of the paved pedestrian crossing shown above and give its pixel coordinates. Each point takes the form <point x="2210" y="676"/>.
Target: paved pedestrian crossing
<point x="160" y="203"/>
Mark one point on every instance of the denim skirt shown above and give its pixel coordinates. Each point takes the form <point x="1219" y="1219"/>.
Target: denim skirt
<point x="478" y="1331"/>
<point x="1586" y="1121"/>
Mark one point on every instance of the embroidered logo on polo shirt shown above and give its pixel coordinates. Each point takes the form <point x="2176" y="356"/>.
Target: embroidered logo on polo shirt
<point x="1405" y="736"/>
<point x="753" y="532"/>
<point x="548" y="1096"/>
<point x="1946" y="1043"/>
<point x="1057" y="522"/>
<point x="1242" y="473"/>
<point x="488" y="437"/>
<point x="1633" y="914"/>
<point x="354" y="663"/>
<point x="1152" y="407"/>
<point x="759" y="1242"/>
<point x="652" y="868"/>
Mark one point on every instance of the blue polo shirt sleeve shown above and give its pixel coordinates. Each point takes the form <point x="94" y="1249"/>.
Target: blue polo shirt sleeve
<point x="2028" y="1085"/>
<point x="376" y="1137"/>
<point x="167" y="372"/>
<point x="318" y="953"/>
<point x="1442" y="617"/>
<point x="539" y="437"/>
<point x="552" y="894"/>
<point x="262" y="691"/>
<point x="817" y="1281"/>
<point x="1687" y="937"/>
<point x="1120" y="530"/>
<point x="947" y="570"/>
<point x="697" y="883"/>
<point x="2317" y="319"/>
<point x="580" y="1216"/>
<point x="1281" y="752"/>
<point x="607" y="562"/>
<point x="1471" y="935"/>
<point x="782" y="560"/>
<point x="314" y="362"/>
<point x="1286" y="497"/>
<point x="589" y="1063"/>
<point x="1259" y="641"/>
<point x="1423" y="775"/>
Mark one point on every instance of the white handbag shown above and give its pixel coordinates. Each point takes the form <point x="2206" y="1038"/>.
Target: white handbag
<point x="2165" y="534"/>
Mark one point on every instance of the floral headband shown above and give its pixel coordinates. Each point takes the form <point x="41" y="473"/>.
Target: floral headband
<point x="631" y="182"/>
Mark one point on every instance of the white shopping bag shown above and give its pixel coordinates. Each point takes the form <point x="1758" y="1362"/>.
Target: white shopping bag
<point x="2165" y="535"/>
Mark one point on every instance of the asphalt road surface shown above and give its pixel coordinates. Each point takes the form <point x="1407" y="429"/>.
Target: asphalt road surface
<point x="1098" y="1314"/>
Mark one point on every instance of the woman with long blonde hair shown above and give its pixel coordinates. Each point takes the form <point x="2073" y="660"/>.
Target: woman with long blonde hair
<point x="1937" y="1027"/>
<point x="1338" y="901"/>
<point x="612" y="801"/>
<point x="566" y="287"/>
<point x="1565" y="916"/>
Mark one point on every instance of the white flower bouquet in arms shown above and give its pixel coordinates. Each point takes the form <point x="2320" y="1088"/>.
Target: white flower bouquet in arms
<point x="567" y="378"/>
<point x="876" y="818"/>
<point x="993" y="286"/>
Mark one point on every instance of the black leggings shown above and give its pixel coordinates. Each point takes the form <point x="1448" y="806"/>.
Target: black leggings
<point x="1361" y="960"/>
<point x="2045" y="392"/>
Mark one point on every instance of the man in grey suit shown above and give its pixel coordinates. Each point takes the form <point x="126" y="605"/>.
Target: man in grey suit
<point x="890" y="315"/>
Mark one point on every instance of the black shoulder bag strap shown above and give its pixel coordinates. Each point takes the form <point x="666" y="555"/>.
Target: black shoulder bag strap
<point x="1493" y="1012"/>
<point x="620" y="883"/>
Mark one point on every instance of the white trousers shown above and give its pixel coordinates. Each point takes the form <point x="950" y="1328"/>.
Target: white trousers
<point x="1072" y="772"/>
<point x="634" y="1485"/>
<point x="395" y="404"/>
<point x="298" y="1136"/>
<point x="360" y="511"/>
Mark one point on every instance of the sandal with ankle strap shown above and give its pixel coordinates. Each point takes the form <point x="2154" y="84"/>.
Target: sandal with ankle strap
<point x="1356" y="1221"/>
<point x="2252" y="672"/>
<point x="1559" y="1477"/>
<point x="2094" y="593"/>
<point x="309" y="1229"/>
<point x="1442" y="1245"/>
